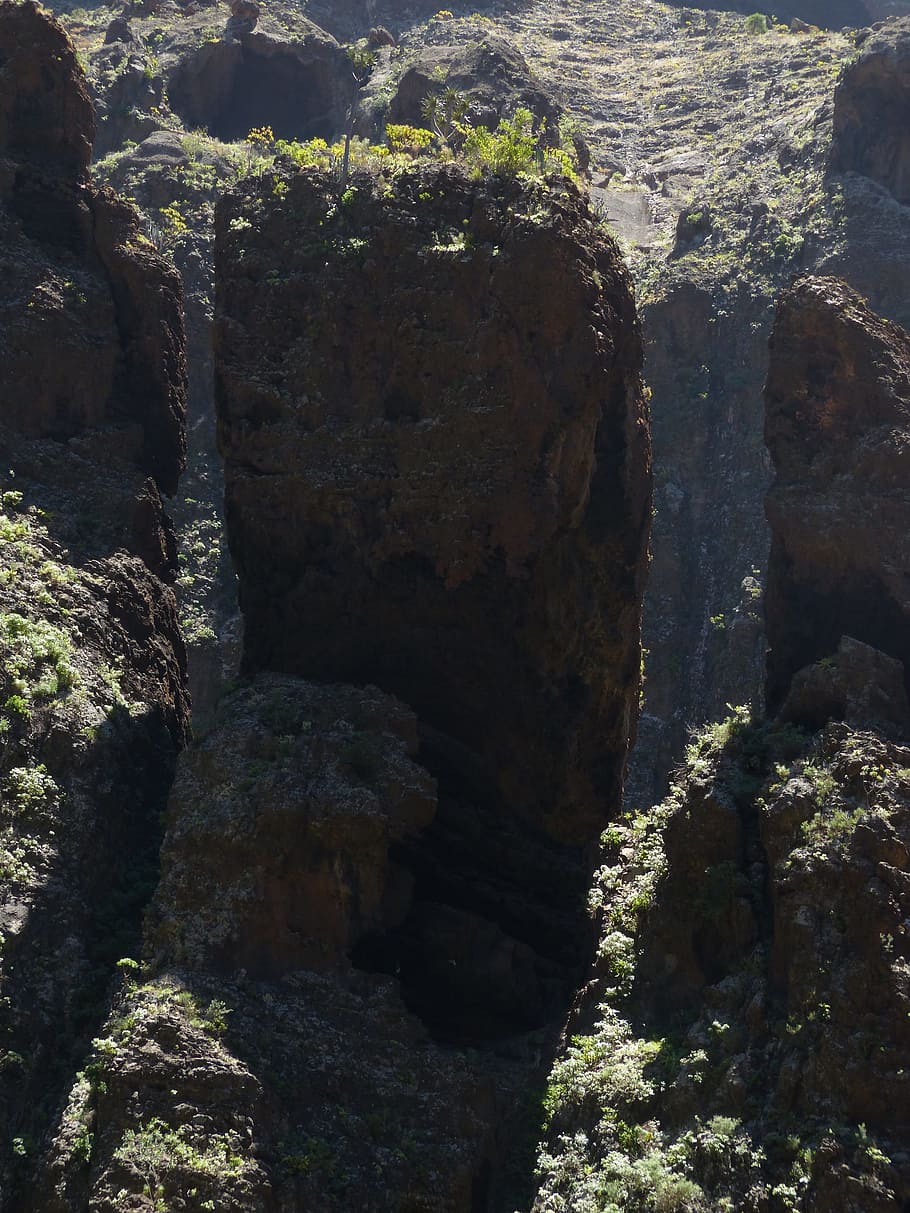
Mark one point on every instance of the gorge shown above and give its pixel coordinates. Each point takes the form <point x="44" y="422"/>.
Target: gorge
<point x="440" y="902"/>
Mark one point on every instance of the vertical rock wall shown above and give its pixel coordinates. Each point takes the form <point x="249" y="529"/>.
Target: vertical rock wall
<point x="437" y="481"/>
<point x="92" y="699"/>
<point x="837" y="423"/>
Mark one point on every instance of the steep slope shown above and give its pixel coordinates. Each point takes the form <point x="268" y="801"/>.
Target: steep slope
<point x="92" y="698"/>
<point x="743" y="1042"/>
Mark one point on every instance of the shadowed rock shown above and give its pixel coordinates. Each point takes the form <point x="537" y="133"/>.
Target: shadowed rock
<point x="437" y="482"/>
<point x="838" y="429"/>
<point x="93" y="704"/>
<point x="871" y="107"/>
<point x="301" y="87"/>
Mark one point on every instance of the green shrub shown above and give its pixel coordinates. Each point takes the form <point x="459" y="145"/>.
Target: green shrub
<point x="757" y="23"/>
<point x="409" y="139"/>
<point x="509" y="150"/>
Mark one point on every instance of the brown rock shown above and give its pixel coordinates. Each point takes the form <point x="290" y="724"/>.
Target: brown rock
<point x="858" y="684"/>
<point x="493" y="77"/>
<point x="440" y="486"/>
<point x="301" y="87"/>
<point x="870" y="133"/>
<point x="380" y="36"/>
<point x="93" y="704"/>
<point x="45" y="109"/>
<point x="838" y="429"/>
<point x="448" y="475"/>
<point x="277" y="857"/>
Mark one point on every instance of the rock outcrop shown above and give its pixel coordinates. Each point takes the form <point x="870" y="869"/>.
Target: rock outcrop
<point x="838" y="429"/>
<point x="870" y="130"/>
<point x="448" y="475"/>
<point x="256" y="1068"/>
<point x="301" y="86"/>
<point x="447" y="496"/>
<point x="292" y="805"/>
<point x="492" y="77"/>
<point x="92" y="682"/>
<point x="742" y="1041"/>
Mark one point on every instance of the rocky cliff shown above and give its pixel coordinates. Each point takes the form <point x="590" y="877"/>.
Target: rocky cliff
<point x="465" y="472"/>
<point x="837" y="416"/>
<point x="742" y="1042"/>
<point x="369" y="920"/>
<point x="91" y="662"/>
<point x="869" y="136"/>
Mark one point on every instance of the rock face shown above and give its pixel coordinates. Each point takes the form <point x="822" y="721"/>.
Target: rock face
<point x="92" y="675"/>
<point x="295" y="802"/>
<point x="257" y="1069"/>
<point x="871" y="102"/>
<point x="301" y="87"/>
<point x="741" y="1043"/>
<point x="447" y="495"/>
<point x="133" y="350"/>
<point x="743" y="1039"/>
<point x="838" y="429"/>
<point x="449" y="472"/>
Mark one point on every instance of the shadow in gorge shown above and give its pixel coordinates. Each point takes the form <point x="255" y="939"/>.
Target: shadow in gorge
<point x="496" y="938"/>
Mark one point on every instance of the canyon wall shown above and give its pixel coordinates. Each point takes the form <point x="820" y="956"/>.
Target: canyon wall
<point x="93" y="705"/>
<point x="371" y="915"/>
<point x="741" y="1043"/>
<point x="837" y="416"/>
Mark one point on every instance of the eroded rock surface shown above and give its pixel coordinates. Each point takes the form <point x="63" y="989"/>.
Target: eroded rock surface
<point x="92" y="396"/>
<point x="742" y="1041"/>
<point x="838" y="429"/>
<point x="493" y="78"/>
<point x="291" y="803"/>
<point x="300" y="86"/>
<point x="437" y="482"/>
<point x="257" y="1068"/>
<point x="745" y="1033"/>
<point x="870" y="108"/>
<point x="455" y="476"/>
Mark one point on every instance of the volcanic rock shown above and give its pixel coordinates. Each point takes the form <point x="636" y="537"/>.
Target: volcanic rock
<point x="277" y="857"/>
<point x="301" y="87"/>
<point x="92" y="666"/>
<point x="870" y="107"/>
<point x="838" y="429"/>
<point x="448" y="471"/>
<point x="492" y="76"/>
<point x="437" y="482"/>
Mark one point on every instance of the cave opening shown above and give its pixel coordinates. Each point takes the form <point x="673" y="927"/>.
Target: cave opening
<point x="231" y="88"/>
